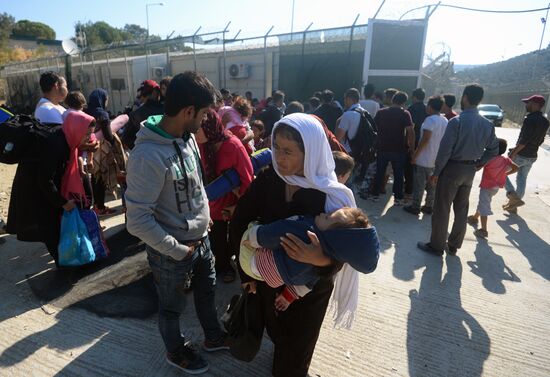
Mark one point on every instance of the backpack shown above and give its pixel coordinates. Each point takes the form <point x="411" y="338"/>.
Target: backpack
<point x="363" y="143"/>
<point x="20" y="137"/>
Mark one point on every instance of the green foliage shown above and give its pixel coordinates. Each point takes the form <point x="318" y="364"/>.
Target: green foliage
<point x="528" y="69"/>
<point x="6" y="25"/>
<point x="26" y="28"/>
<point x="101" y="33"/>
<point x="135" y="32"/>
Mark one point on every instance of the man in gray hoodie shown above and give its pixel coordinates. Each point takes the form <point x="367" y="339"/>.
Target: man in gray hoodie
<point x="167" y="208"/>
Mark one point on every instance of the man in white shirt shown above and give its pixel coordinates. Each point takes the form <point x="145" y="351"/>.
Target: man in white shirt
<point x="423" y="159"/>
<point x="349" y="122"/>
<point x="54" y="90"/>
<point x="369" y="103"/>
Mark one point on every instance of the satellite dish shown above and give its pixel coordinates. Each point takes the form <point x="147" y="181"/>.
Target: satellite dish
<point x="70" y="47"/>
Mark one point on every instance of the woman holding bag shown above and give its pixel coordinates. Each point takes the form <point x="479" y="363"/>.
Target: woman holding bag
<point x="301" y="182"/>
<point x="38" y="201"/>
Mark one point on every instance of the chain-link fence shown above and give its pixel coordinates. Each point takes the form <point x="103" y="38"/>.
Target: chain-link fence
<point x="299" y="63"/>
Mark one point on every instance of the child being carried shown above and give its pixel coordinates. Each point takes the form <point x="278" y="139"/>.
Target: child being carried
<point x="345" y="235"/>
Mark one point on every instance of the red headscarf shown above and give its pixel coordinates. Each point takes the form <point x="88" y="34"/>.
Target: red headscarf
<point x="74" y="127"/>
<point x="214" y="131"/>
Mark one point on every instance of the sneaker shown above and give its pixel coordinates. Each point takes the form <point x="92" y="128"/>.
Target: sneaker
<point x="472" y="220"/>
<point x="188" y="360"/>
<point x="481" y="233"/>
<point x="412" y="210"/>
<point x="217" y="345"/>
<point x="375" y="198"/>
<point x="398" y="202"/>
<point x="426" y="210"/>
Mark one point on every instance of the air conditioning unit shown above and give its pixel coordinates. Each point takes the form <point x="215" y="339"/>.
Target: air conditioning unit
<point x="239" y="71"/>
<point x="157" y="73"/>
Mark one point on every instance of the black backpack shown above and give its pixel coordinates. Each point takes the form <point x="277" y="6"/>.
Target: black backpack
<point x="20" y="138"/>
<point x="364" y="142"/>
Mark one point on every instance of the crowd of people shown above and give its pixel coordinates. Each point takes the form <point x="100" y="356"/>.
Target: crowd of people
<point x="291" y="231"/>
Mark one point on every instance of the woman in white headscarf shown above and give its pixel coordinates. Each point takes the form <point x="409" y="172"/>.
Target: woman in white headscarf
<point x="301" y="182"/>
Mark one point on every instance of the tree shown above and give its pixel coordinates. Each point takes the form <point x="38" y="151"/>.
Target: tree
<point x="135" y="32"/>
<point x="26" y="28"/>
<point x="6" y="25"/>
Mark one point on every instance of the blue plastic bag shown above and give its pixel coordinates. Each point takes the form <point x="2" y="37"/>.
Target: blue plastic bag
<point x="75" y="247"/>
<point x="96" y="234"/>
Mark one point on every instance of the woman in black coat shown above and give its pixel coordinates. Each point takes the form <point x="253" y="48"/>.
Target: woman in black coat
<point x="302" y="182"/>
<point x="36" y="203"/>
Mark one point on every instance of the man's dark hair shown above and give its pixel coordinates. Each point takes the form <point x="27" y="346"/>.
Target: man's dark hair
<point x="314" y="102"/>
<point x="474" y="92"/>
<point x="188" y="89"/>
<point x="317" y="94"/>
<point x="399" y="98"/>
<point x="247" y="93"/>
<point x="278" y="95"/>
<point x="368" y="90"/>
<point x="343" y="163"/>
<point x="327" y="96"/>
<point x="75" y="100"/>
<point x="502" y="146"/>
<point x="352" y="94"/>
<point x="419" y="94"/>
<point x="48" y="80"/>
<point x="294" y="107"/>
<point x="224" y="91"/>
<point x="435" y="102"/>
<point x="450" y="100"/>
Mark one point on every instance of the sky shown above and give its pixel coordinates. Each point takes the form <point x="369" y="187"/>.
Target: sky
<point x="473" y="38"/>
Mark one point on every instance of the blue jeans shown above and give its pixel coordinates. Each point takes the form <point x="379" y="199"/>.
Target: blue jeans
<point x="170" y="276"/>
<point x="397" y="163"/>
<point x="524" y="164"/>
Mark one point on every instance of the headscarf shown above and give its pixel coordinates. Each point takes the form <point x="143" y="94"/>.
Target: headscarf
<point x="96" y="108"/>
<point x="319" y="175"/>
<point x="96" y="103"/>
<point x="214" y="131"/>
<point x="74" y="127"/>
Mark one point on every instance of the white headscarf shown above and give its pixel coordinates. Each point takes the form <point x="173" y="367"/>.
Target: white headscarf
<point x="319" y="175"/>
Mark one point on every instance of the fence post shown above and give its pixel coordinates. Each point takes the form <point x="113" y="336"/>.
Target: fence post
<point x="224" y="56"/>
<point x="265" y="61"/>
<point x="350" y="71"/>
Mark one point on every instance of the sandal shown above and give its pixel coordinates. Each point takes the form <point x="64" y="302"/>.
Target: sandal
<point x="105" y="211"/>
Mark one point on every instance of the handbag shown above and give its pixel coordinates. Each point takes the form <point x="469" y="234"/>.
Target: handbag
<point x="95" y="233"/>
<point x="75" y="247"/>
<point x="244" y="322"/>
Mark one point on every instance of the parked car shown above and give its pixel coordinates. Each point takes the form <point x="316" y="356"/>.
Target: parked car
<point x="492" y="112"/>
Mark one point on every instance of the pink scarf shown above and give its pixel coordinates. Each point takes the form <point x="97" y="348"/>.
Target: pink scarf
<point x="74" y="127"/>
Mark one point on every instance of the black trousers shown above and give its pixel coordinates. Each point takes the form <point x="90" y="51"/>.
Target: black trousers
<point x="98" y="188"/>
<point x="409" y="175"/>
<point x="219" y="243"/>
<point x="295" y="331"/>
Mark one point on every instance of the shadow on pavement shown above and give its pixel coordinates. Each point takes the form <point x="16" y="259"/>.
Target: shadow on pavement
<point x="118" y="286"/>
<point x="442" y="338"/>
<point x="534" y="248"/>
<point x="491" y="268"/>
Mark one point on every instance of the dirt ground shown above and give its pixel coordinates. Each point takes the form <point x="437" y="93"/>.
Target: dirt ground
<point x="7" y="172"/>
